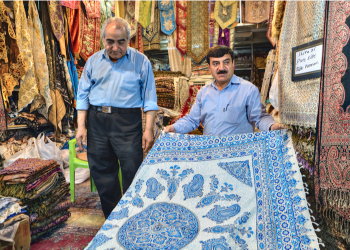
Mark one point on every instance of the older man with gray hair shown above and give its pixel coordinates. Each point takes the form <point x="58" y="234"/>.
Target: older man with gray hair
<point x="116" y="83"/>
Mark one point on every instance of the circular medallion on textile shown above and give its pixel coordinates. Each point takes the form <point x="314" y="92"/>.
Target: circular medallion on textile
<point x="159" y="226"/>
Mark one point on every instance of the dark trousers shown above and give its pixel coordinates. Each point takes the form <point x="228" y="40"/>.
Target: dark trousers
<point x="112" y="137"/>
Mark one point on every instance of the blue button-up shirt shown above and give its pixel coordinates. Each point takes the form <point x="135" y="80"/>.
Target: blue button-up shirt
<point x="128" y="83"/>
<point x="232" y="110"/>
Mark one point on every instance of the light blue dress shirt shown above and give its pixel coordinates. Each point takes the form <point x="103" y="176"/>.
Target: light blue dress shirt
<point x="128" y="83"/>
<point x="232" y="110"/>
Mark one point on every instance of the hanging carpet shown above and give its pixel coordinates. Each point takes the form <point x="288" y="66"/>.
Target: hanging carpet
<point x="225" y="13"/>
<point x="167" y="17"/>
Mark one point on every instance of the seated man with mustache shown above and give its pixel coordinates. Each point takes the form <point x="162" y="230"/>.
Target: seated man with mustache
<point x="229" y="105"/>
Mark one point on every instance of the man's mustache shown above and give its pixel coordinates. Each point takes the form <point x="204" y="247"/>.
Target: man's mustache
<point x="222" y="72"/>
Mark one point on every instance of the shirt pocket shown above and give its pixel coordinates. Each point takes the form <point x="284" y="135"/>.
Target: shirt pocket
<point x="130" y="82"/>
<point x="233" y="114"/>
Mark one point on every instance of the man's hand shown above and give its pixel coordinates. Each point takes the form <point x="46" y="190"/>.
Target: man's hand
<point x="81" y="137"/>
<point x="169" y="128"/>
<point x="278" y="126"/>
<point x="147" y="140"/>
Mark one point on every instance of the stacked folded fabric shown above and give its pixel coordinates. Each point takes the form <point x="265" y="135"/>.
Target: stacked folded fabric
<point x="11" y="213"/>
<point x="165" y="89"/>
<point x="40" y="185"/>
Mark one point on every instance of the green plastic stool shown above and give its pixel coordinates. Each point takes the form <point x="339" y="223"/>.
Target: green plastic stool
<point x="75" y="163"/>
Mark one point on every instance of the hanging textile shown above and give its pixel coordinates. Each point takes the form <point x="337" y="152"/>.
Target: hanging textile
<point x="90" y="32"/>
<point x="73" y="4"/>
<point x="39" y="56"/>
<point x="167" y="17"/>
<point x="177" y="61"/>
<point x="119" y="9"/>
<point x="56" y="18"/>
<point x="68" y="80"/>
<point x="145" y="11"/>
<point x="28" y="89"/>
<point x="151" y="34"/>
<point x="61" y="80"/>
<point x="74" y="31"/>
<point x="181" y="26"/>
<point x="12" y="65"/>
<point x="225" y="13"/>
<point x="105" y="14"/>
<point x="212" y="23"/>
<point x="66" y="32"/>
<point x="130" y="17"/>
<point x="197" y="40"/>
<point x="93" y="9"/>
<point x="58" y="109"/>
<point x="277" y="20"/>
<point x="269" y="24"/>
<point x="332" y="182"/>
<point x="74" y="78"/>
<point x="303" y="23"/>
<point x="139" y="38"/>
<point x="224" y="37"/>
<point x="257" y="11"/>
<point x="267" y="76"/>
<point x="188" y="195"/>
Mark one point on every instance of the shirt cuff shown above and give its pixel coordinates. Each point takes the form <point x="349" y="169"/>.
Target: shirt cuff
<point x="83" y="105"/>
<point x="150" y="106"/>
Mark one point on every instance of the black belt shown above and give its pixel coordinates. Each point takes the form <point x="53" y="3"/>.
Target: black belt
<point x="108" y="109"/>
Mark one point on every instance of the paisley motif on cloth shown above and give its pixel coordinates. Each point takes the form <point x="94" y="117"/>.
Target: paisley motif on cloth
<point x="257" y="11"/>
<point x="73" y="4"/>
<point x="89" y="36"/>
<point x="93" y="8"/>
<point x="181" y="26"/>
<point x="197" y="30"/>
<point x="303" y="23"/>
<point x="225" y="13"/>
<point x="12" y="66"/>
<point x="217" y="192"/>
<point x="167" y="17"/>
<point x="56" y="18"/>
<point x="29" y="88"/>
<point x="332" y="172"/>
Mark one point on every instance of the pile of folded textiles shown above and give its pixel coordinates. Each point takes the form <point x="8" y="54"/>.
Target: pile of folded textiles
<point x="11" y="213"/>
<point x="40" y="185"/>
<point x="165" y="89"/>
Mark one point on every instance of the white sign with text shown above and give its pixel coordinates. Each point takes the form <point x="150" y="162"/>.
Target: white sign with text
<point x="308" y="60"/>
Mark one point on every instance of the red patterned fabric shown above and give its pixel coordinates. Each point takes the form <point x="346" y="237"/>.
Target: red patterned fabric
<point x="74" y="30"/>
<point x="181" y="26"/>
<point x="139" y="38"/>
<point x="93" y="9"/>
<point x="332" y="171"/>
<point x="73" y="4"/>
<point x="186" y="108"/>
<point x="269" y="25"/>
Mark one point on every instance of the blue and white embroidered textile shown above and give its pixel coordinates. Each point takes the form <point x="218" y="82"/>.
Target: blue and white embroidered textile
<point x="167" y="17"/>
<point x="214" y="192"/>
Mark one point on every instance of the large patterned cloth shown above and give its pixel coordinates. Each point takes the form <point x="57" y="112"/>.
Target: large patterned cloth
<point x="332" y="172"/>
<point x="197" y="30"/>
<point x="298" y="101"/>
<point x="167" y="17"/>
<point x="181" y="7"/>
<point x="56" y="18"/>
<point x="213" y="192"/>
<point x="74" y="30"/>
<point x="225" y="13"/>
<point x="130" y="17"/>
<point x="257" y="11"/>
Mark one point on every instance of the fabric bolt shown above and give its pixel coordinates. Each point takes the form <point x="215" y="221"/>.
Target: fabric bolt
<point x="74" y="30"/>
<point x="93" y="9"/>
<point x="277" y="20"/>
<point x="40" y="180"/>
<point x="39" y="56"/>
<point x="269" y="24"/>
<point x="181" y="7"/>
<point x="56" y="18"/>
<point x="267" y="76"/>
<point x="300" y="26"/>
<point x="213" y="192"/>
<point x="28" y="89"/>
<point x="145" y="9"/>
<point x="73" y="4"/>
<point x="332" y="182"/>
<point x="89" y="32"/>
<point x="130" y="17"/>
<point x="257" y="11"/>
<point x="178" y="61"/>
<point x="197" y="29"/>
<point x="167" y="16"/>
<point x="225" y="13"/>
<point x="12" y="66"/>
<point x="131" y="89"/>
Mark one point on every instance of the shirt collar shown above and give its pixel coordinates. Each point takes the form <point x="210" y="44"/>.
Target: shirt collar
<point x="234" y="81"/>
<point x="127" y="54"/>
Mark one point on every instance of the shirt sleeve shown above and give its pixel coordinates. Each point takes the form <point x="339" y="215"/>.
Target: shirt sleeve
<point x="149" y="94"/>
<point x="256" y="111"/>
<point x="84" y="87"/>
<point x="191" y="121"/>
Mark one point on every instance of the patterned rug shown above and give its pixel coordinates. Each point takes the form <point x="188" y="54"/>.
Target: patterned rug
<point x="213" y="192"/>
<point x="85" y="221"/>
<point x="332" y="172"/>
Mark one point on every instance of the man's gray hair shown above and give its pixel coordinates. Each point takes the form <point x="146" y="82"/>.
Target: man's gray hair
<point x="120" y="22"/>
